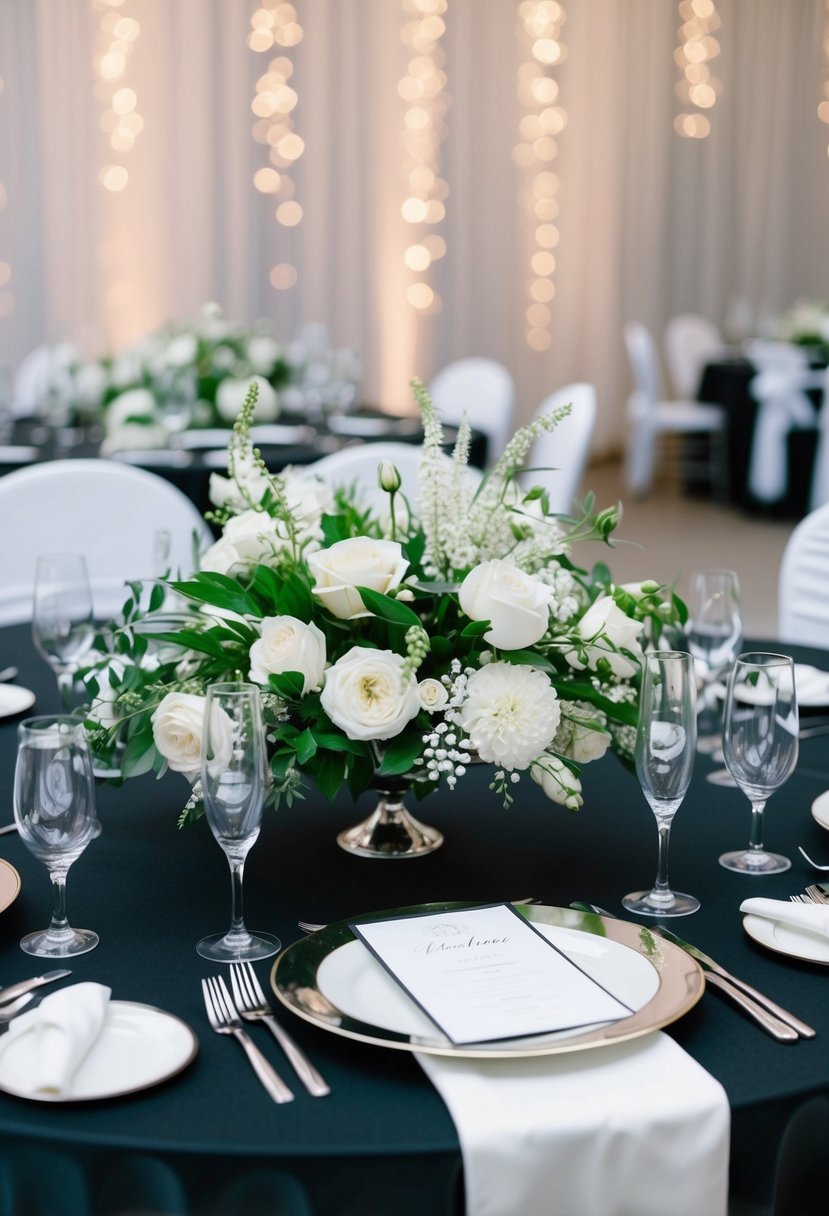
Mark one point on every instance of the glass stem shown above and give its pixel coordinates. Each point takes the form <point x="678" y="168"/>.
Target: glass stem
<point x="664" y="830"/>
<point x="237" y="920"/>
<point x="59" y="924"/>
<point x="66" y="685"/>
<point x="755" y="842"/>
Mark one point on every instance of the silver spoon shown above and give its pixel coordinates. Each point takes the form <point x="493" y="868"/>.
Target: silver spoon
<point x="813" y="864"/>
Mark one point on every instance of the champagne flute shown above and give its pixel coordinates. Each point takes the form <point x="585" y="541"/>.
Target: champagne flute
<point x="714" y="636"/>
<point x="62" y="626"/>
<point x="665" y="749"/>
<point x="234" y="780"/>
<point x="54" y="808"/>
<point x="760" y="744"/>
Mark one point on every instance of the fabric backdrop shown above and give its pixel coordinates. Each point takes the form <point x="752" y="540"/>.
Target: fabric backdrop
<point x="650" y="223"/>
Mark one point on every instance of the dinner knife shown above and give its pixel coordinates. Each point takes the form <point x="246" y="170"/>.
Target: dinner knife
<point x="715" y="972"/>
<point x="8" y="994"/>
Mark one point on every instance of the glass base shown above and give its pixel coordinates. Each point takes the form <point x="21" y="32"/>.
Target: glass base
<point x="721" y="776"/>
<point x="652" y="903"/>
<point x="749" y="861"/>
<point x="59" y="945"/>
<point x="238" y="947"/>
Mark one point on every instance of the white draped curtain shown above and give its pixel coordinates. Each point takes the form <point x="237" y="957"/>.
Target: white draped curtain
<point x="650" y="224"/>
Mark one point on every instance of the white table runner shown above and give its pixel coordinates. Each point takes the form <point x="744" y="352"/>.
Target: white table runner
<point x="633" y="1129"/>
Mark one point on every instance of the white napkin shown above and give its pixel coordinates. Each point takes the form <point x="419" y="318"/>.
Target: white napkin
<point x="46" y="1045"/>
<point x="814" y="918"/>
<point x="631" y="1129"/>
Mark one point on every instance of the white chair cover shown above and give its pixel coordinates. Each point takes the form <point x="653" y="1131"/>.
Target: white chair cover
<point x="783" y="405"/>
<point x="558" y="458"/>
<point x="820" y="474"/>
<point x="803" y="586"/>
<point x="483" y="390"/>
<point x="690" y="341"/>
<point x="109" y="512"/>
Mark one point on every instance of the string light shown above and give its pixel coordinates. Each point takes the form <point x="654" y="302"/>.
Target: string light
<point x="120" y="120"/>
<point x="823" y="107"/>
<point x="539" y="26"/>
<point x="423" y="88"/>
<point x="697" y="89"/>
<point x="275" y="25"/>
<point x="6" y="296"/>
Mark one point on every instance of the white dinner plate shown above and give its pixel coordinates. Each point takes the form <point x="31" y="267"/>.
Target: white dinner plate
<point x="139" y="1046"/>
<point x="9" y="885"/>
<point x="15" y="700"/>
<point x="820" y="809"/>
<point x="330" y="979"/>
<point x="787" y="939"/>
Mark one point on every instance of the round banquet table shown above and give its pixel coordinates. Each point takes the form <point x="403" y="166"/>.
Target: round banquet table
<point x="209" y="1141"/>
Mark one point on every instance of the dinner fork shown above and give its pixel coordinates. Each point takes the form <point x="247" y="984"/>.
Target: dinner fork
<point x="253" y="1006"/>
<point x="224" y="1019"/>
<point x="812" y="895"/>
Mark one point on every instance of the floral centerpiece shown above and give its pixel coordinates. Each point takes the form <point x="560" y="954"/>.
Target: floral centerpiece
<point x="409" y="641"/>
<point x="806" y="323"/>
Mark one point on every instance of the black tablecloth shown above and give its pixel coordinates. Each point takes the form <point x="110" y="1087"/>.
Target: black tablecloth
<point x="726" y="382"/>
<point x="210" y="1141"/>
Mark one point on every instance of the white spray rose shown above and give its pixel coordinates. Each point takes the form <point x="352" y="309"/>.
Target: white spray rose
<point x="510" y="714"/>
<point x="231" y="393"/>
<point x="137" y="403"/>
<point x="181" y="351"/>
<point x="246" y="540"/>
<point x="516" y="604"/>
<point x="288" y="644"/>
<point x="178" y="730"/>
<point x="557" y="781"/>
<point x="606" y="630"/>
<point x="433" y="695"/>
<point x="366" y="696"/>
<point x="357" y="562"/>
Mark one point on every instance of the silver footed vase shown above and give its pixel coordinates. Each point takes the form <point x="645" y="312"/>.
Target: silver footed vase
<point x="391" y="830"/>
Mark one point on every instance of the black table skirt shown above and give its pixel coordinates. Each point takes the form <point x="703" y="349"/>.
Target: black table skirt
<point x="210" y="1141"/>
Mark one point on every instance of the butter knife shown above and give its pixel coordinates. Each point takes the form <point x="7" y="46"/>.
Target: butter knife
<point x="8" y="994"/>
<point x="713" y="969"/>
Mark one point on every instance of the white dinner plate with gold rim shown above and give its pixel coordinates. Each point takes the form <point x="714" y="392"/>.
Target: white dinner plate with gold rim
<point x="15" y="700"/>
<point x="139" y="1046"/>
<point x="820" y="809"/>
<point x="788" y="939"/>
<point x="330" y="979"/>
<point x="9" y="885"/>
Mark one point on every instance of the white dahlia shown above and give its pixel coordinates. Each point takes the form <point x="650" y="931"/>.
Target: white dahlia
<point x="510" y="714"/>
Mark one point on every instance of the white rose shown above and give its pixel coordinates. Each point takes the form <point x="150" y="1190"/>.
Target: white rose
<point x="510" y="715"/>
<point x="137" y="403"/>
<point x="248" y="485"/>
<point x="309" y="498"/>
<point x="221" y="557"/>
<point x="581" y="736"/>
<point x="517" y="604"/>
<point x="433" y="695"/>
<point x="263" y="352"/>
<point x="288" y="644"/>
<point x="178" y="729"/>
<point x="557" y="781"/>
<point x="181" y="351"/>
<point x="365" y="695"/>
<point x="606" y="631"/>
<point x="231" y="394"/>
<point x="357" y="562"/>
<point x="90" y="384"/>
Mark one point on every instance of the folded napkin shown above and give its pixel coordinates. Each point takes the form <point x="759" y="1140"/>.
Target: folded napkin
<point x="814" y="918"/>
<point x="631" y="1129"/>
<point x="46" y="1046"/>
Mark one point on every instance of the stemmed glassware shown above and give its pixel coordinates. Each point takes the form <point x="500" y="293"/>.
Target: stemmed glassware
<point x="176" y="404"/>
<point x="234" y="779"/>
<point x="62" y="625"/>
<point x="665" y="750"/>
<point x="54" y="808"/>
<point x="714" y="637"/>
<point x="760" y="745"/>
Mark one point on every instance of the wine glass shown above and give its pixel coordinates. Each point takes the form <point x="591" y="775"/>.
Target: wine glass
<point x="713" y="636"/>
<point x="665" y="749"/>
<point x="54" y="808"/>
<point x="62" y="626"/>
<point x="760" y="744"/>
<point x="177" y="404"/>
<point x="234" y="779"/>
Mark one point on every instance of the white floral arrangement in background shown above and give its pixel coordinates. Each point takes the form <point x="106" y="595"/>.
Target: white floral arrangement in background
<point x="806" y="323"/>
<point x="451" y="628"/>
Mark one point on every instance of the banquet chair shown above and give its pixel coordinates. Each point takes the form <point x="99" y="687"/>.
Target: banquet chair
<point x="690" y="341"/>
<point x="35" y="377"/>
<point x="483" y="390"/>
<point x="779" y="388"/>
<point x="558" y="458"/>
<point x="113" y="514"/>
<point x="803" y="585"/>
<point x="357" y="466"/>
<point x="650" y="418"/>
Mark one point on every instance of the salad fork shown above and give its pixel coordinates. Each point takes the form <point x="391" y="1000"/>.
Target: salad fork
<point x="224" y="1019"/>
<point x="253" y="1007"/>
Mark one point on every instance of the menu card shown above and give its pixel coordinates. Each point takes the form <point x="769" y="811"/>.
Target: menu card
<point x="483" y="974"/>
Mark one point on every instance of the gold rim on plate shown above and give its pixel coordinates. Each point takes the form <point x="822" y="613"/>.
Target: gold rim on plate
<point x="680" y="984"/>
<point x="9" y="884"/>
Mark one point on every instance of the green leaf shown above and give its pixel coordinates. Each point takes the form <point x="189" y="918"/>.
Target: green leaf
<point x="139" y="756"/>
<point x="157" y="597"/>
<point x="306" y="747"/>
<point x="328" y="770"/>
<point x="192" y="639"/>
<point x="339" y="743"/>
<point x="266" y="583"/>
<point x="401" y="753"/>
<point x="388" y="609"/>
<point x="219" y="590"/>
<point x="528" y="658"/>
<point x="287" y="684"/>
<point x="475" y="629"/>
<point x="360" y="775"/>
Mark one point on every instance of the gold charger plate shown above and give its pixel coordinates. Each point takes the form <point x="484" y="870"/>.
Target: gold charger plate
<point x="331" y="980"/>
<point x="9" y="884"/>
